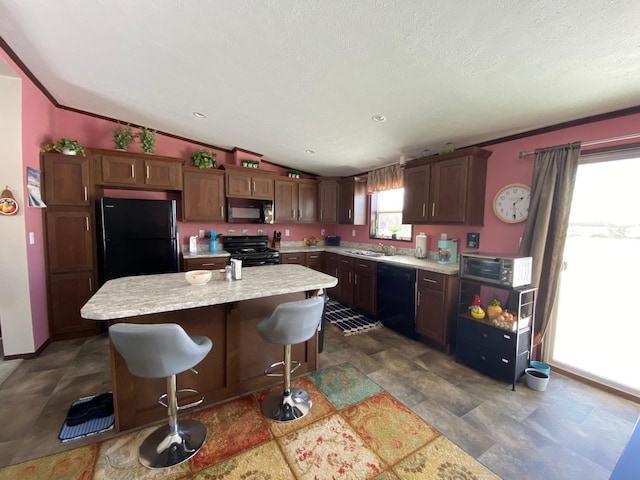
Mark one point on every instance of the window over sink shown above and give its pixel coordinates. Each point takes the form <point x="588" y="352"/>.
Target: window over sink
<point x="386" y="216"/>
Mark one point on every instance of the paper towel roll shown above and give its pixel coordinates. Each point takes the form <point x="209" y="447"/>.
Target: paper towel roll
<point x="421" y="245"/>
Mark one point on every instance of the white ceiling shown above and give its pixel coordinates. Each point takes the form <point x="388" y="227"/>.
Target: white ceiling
<point x="279" y="77"/>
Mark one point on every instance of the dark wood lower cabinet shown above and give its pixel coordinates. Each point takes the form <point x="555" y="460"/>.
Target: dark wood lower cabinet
<point x="364" y="286"/>
<point x="69" y="292"/>
<point x="436" y="309"/>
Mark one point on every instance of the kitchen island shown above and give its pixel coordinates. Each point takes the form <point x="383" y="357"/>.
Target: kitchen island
<point x="226" y="312"/>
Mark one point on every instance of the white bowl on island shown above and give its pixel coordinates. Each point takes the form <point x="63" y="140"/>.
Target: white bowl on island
<point x="198" y="277"/>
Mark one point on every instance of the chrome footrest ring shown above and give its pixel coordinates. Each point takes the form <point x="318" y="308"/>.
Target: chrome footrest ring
<point x="162" y="398"/>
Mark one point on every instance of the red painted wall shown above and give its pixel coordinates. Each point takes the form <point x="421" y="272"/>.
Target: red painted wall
<point x="43" y="123"/>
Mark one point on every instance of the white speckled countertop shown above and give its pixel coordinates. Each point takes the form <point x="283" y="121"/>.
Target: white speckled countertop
<point x="402" y="260"/>
<point x="147" y="294"/>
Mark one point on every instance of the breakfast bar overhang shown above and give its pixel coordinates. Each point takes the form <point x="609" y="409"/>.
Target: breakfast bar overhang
<point x="224" y="311"/>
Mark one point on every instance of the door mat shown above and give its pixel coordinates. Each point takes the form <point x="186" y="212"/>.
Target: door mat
<point x="348" y="320"/>
<point x="93" y="425"/>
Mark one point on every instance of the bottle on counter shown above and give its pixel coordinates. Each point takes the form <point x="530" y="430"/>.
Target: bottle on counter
<point x="213" y="242"/>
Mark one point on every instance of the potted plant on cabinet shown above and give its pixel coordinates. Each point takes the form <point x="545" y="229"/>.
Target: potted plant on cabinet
<point x="147" y="139"/>
<point x="65" y="146"/>
<point x="203" y="159"/>
<point x="294" y="173"/>
<point x="122" y="137"/>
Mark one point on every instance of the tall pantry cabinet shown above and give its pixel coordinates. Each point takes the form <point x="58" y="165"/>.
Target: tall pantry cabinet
<point x="70" y="243"/>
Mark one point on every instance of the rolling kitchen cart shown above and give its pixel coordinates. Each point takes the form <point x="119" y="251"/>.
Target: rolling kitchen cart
<point x="500" y="351"/>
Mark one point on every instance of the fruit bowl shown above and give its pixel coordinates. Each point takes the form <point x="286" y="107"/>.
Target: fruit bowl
<point x="198" y="277"/>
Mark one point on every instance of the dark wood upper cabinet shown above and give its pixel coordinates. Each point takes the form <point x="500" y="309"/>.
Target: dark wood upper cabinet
<point x="137" y="170"/>
<point x="66" y="180"/>
<point x="244" y="182"/>
<point x="295" y="201"/>
<point x="352" y="201"/>
<point x="328" y="201"/>
<point x="203" y="196"/>
<point x="446" y="189"/>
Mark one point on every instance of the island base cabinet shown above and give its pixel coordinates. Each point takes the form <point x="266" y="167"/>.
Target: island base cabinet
<point x="234" y="366"/>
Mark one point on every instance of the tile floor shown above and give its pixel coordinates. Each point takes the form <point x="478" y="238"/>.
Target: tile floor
<point x="569" y="431"/>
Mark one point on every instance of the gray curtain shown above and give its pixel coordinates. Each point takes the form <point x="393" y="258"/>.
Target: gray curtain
<point x="554" y="175"/>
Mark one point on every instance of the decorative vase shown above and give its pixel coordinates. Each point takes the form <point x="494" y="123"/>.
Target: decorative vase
<point x="68" y="151"/>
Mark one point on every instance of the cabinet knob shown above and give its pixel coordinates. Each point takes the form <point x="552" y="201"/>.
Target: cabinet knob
<point x="483" y="358"/>
<point x="484" y="335"/>
<point x="504" y="360"/>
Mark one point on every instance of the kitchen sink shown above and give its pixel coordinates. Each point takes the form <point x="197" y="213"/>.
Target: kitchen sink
<point x="366" y="253"/>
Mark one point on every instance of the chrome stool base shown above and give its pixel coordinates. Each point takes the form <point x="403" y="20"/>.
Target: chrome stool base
<point x="286" y="408"/>
<point x="163" y="449"/>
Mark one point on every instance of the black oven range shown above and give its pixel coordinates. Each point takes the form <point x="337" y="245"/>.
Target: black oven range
<point x="253" y="250"/>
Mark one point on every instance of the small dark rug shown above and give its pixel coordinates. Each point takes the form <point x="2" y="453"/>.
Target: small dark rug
<point x="93" y="425"/>
<point x="348" y="320"/>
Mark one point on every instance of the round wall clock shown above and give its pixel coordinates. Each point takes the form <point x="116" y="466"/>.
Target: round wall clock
<point x="511" y="203"/>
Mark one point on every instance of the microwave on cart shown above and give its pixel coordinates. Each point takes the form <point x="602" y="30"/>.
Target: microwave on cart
<point x="503" y="270"/>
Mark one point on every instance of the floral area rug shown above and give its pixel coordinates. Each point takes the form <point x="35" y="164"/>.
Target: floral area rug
<point x="355" y="430"/>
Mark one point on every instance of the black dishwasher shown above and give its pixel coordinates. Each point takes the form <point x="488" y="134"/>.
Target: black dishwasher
<point x="396" y="298"/>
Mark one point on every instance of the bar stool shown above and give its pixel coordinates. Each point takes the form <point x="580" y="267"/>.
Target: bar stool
<point x="290" y="323"/>
<point x="157" y="351"/>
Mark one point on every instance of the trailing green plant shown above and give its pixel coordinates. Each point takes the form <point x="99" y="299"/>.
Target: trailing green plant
<point x="64" y="144"/>
<point x="123" y="136"/>
<point x="203" y="159"/>
<point x="147" y="139"/>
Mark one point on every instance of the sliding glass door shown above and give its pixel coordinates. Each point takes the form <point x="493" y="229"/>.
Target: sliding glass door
<point x="596" y="330"/>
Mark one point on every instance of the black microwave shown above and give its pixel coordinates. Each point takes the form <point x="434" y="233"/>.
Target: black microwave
<point x="504" y="270"/>
<point x="249" y="210"/>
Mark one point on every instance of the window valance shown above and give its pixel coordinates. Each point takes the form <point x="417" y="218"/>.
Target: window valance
<point x="385" y="178"/>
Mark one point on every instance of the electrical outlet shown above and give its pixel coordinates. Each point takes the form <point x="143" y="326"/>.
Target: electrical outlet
<point x="32" y="238"/>
<point x="353" y="232"/>
<point x="286" y="232"/>
<point x="322" y="231"/>
<point x="201" y="233"/>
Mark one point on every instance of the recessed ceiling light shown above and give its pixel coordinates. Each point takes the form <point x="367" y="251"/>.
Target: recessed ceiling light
<point x="309" y="151"/>
<point x="379" y="118"/>
<point x="199" y="115"/>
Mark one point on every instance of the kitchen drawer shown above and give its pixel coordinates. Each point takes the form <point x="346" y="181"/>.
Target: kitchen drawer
<point x="297" y="258"/>
<point x="364" y="266"/>
<point x="211" y="263"/>
<point x="501" y="341"/>
<point x="433" y="280"/>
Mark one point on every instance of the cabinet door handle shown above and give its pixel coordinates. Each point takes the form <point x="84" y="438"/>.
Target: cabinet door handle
<point x="221" y="211"/>
<point x="504" y="360"/>
<point x="133" y="171"/>
<point x="433" y="209"/>
<point x="349" y="214"/>
<point x="207" y="264"/>
<point x="253" y="189"/>
<point x="356" y="279"/>
<point x="86" y="194"/>
<point x="424" y="209"/>
<point x="86" y="219"/>
<point x="429" y="280"/>
<point x="419" y="296"/>
<point x="147" y="172"/>
<point x="90" y="285"/>
<point x="508" y="337"/>
<point x="349" y="277"/>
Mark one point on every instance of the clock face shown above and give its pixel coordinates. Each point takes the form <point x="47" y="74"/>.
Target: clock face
<point x="511" y="203"/>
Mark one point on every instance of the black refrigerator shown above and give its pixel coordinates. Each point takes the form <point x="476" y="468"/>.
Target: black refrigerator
<point x="137" y="237"/>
